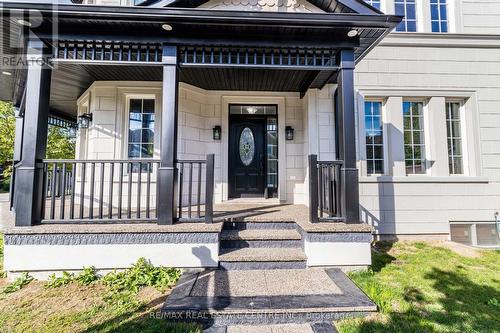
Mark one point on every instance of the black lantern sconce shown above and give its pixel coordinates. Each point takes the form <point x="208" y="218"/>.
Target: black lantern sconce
<point x="84" y="120"/>
<point x="217" y="132"/>
<point x="289" y="133"/>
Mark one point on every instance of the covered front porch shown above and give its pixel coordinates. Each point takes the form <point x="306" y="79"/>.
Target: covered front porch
<point x="175" y="181"/>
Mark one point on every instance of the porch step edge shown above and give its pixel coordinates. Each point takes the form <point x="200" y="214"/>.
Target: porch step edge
<point x="249" y="234"/>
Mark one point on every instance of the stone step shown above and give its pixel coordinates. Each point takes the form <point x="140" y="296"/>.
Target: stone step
<point x="262" y="258"/>
<point x="217" y="298"/>
<point x="245" y="225"/>
<point x="260" y="238"/>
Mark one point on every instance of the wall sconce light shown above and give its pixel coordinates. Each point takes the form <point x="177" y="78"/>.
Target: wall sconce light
<point x="84" y="120"/>
<point x="217" y="131"/>
<point x="289" y="133"/>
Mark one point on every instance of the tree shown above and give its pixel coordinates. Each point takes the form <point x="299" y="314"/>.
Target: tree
<point x="7" y="134"/>
<point x="60" y="145"/>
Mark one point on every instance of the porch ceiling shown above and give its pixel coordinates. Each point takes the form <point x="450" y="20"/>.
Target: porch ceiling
<point x="69" y="81"/>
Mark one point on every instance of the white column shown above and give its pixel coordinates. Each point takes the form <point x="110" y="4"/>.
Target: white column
<point x="395" y="139"/>
<point x="424" y="16"/>
<point x="438" y="138"/>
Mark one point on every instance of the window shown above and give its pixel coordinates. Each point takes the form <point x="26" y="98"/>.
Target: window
<point x="374" y="3"/>
<point x="374" y="138"/>
<point x="439" y="16"/>
<point x="406" y="8"/>
<point x="141" y="128"/>
<point x="453" y="125"/>
<point x="413" y="118"/>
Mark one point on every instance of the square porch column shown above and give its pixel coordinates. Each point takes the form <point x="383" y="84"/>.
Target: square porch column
<point x="167" y="173"/>
<point x="346" y="137"/>
<point x="28" y="191"/>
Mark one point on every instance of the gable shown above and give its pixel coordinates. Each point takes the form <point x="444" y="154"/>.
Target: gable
<point x="294" y="6"/>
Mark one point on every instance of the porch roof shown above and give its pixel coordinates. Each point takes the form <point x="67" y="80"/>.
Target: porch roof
<point x="198" y="27"/>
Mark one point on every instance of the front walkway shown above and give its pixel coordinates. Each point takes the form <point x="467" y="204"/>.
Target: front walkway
<point x="220" y="298"/>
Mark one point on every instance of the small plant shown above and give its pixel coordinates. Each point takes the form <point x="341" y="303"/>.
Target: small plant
<point x="494" y="302"/>
<point x="87" y="276"/>
<point x="18" y="284"/>
<point x="142" y="274"/>
<point x="64" y="280"/>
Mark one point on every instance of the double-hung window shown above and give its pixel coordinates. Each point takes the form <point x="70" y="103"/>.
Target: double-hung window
<point x="374" y="3"/>
<point x="439" y="16"/>
<point x="374" y="137"/>
<point x="454" y="134"/>
<point x="406" y="8"/>
<point x="141" y="128"/>
<point x="414" y="141"/>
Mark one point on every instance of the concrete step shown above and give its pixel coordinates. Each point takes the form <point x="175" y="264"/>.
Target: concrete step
<point x="220" y="299"/>
<point x="244" y="225"/>
<point x="262" y="258"/>
<point x="260" y="238"/>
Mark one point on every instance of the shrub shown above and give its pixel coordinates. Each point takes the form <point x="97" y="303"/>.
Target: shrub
<point x="64" y="280"/>
<point x="142" y="274"/>
<point x="18" y="284"/>
<point x="87" y="276"/>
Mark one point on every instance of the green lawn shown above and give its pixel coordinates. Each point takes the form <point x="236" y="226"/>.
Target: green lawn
<point x="418" y="288"/>
<point x="424" y="288"/>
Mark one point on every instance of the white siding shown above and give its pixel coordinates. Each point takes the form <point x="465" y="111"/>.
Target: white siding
<point x="431" y="70"/>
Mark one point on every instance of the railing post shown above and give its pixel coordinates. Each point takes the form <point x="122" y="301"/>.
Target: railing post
<point x="209" y="190"/>
<point x="167" y="172"/>
<point x="346" y="137"/>
<point x="28" y="189"/>
<point x="313" y="188"/>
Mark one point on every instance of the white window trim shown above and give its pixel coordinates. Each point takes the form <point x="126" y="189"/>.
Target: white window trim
<point x="463" y="135"/>
<point x="126" y="94"/>
<point x="156" y="142"/>
<point x="364" y="158"/>
<point x="427" y="136"/>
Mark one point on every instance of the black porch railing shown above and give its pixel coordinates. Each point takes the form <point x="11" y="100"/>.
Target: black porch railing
<point x="94" y="191"/>
<point x="196" y="189"/>
<point x="324" y="190"/>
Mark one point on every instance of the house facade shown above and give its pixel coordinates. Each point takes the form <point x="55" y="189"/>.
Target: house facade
<point x="349" y="116"/>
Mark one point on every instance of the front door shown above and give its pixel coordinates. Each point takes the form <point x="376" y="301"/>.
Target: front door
<point x="247" y="174"/>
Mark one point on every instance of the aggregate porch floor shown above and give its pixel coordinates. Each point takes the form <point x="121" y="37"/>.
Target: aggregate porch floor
<point x="230" y="211"/>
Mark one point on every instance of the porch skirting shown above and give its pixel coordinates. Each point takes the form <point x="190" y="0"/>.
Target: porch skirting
<point x="42" y="254"/>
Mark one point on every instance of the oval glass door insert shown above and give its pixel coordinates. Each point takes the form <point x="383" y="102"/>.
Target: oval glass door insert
<point x="247" y="146"/>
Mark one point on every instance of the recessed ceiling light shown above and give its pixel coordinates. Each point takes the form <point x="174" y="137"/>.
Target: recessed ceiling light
<point x="24" y="22"/>
<point x="167" y="27"/>
<point x="352" y="33"/>
<point x="6" y="73"/>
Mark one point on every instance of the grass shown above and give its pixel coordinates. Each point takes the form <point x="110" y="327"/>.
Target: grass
<point x="125" y="302"/>
<point x="419" y="287"/>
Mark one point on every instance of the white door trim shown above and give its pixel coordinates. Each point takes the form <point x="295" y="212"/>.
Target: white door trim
<point x="280" y="101"/>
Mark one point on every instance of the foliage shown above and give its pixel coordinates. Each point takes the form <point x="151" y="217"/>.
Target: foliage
<point x="7" y="132"/>
<point x="87" y="276"/>
<point x="18" y="284"/>
<point x="1" y="257"/>
<point x="419" y="287"/>
<point x="59" y="144"/>
<point x="56" y="282"/>
<point x="142" y="274"/>
<point x="494" y="302"/>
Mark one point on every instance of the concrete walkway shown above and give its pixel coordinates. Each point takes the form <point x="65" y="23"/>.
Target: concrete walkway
<point x="242" y="300"/>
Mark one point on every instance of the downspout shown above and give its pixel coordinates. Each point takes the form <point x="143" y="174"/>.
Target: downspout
<point x="497" y="223"/>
